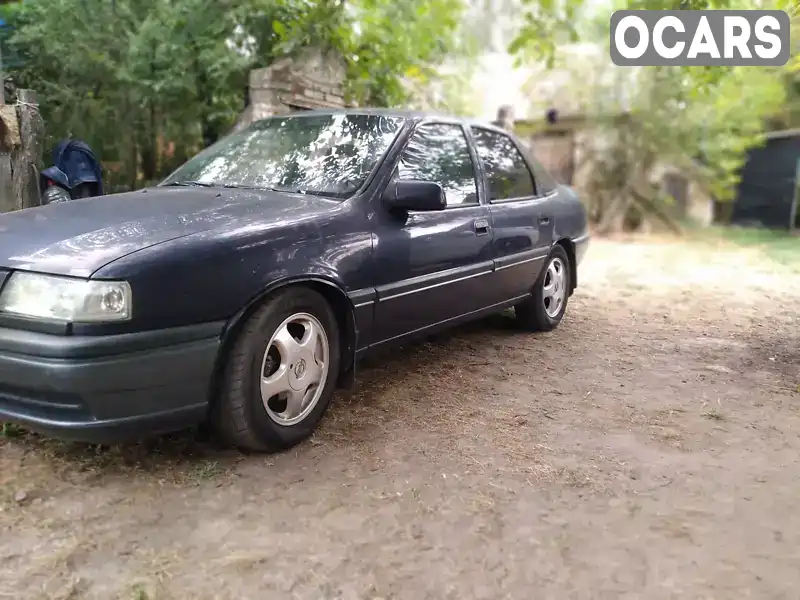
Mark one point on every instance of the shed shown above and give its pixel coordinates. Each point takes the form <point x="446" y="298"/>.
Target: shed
<point x="767" y="194"/>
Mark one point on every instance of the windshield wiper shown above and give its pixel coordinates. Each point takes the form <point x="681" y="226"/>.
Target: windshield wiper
<point x="188" y="184"/>
<point x="229" y="186"/>
<point x="326" y="194"/>
<point x="304" y="192"/>
<point x="234" y="186"/>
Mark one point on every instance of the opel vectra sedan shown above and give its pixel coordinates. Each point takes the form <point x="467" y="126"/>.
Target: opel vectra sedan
<point x="243" y="289"/>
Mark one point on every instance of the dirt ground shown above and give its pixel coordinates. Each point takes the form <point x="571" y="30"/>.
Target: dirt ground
<point x="648" y="448"/>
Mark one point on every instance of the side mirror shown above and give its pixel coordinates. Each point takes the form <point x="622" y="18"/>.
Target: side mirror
<point x="405" y="195"/>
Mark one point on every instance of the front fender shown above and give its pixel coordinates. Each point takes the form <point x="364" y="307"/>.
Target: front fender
<point x="333" y="292"/>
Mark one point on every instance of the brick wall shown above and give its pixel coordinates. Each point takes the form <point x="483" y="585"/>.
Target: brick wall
<point x="311" y="80"/>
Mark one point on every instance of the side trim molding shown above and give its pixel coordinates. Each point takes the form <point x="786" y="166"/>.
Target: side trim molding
<point x="520" y="258"/>
<point x="399" y="289"/>
<point x="430" y="281"/>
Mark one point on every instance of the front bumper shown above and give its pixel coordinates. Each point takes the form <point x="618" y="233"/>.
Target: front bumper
<point x="107" y="389"/>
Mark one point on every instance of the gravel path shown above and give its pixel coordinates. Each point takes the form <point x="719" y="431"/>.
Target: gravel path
<point x="648" y="448"/>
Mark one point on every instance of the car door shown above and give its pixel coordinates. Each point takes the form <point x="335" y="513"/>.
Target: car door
<point x="520" y="213"/>
<point x="432" y="267"/>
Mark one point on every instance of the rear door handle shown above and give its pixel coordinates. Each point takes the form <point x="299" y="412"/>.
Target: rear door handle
<point x="481" y="227"/>
<point x="544" y="220"/>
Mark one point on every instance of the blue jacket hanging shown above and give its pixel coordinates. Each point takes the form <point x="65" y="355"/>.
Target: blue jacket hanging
<point x="74" y="163"/>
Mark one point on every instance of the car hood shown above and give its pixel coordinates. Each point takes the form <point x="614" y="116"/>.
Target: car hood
<point x="80" y="236"/>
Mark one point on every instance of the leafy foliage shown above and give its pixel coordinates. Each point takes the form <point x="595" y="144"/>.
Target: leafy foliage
<point x="128" y="71"/>
<point x="382" y="41"/>
<point x="698" y="120"/>
<point x="147" y="83"/>
<point x="387" y="44"/>
<point x="451" y="90"/>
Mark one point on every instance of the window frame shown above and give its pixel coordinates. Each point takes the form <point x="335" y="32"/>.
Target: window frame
<point x="471" y="150"/>
<point x="515" y="144"/>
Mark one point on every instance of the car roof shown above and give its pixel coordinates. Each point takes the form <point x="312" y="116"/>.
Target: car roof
<point x="393" y="112"/>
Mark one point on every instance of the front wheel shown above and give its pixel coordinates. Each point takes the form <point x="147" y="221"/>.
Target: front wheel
<point x="545" y="308"/>
<point x="281" y="373"/>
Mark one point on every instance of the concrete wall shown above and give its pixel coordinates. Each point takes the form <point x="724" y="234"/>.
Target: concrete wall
<point x="567" y="155"/>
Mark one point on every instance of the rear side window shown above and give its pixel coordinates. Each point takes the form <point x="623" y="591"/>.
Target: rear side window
<point x="506" y="172"/>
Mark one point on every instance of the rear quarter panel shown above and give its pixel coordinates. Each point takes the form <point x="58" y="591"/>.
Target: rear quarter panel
<point x="571" y="221"/>
<point x="569" y="214"/>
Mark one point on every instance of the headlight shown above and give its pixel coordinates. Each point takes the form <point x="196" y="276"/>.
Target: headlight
<point x="66" y="299"/>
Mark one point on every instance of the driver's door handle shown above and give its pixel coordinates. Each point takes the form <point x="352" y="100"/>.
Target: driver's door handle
<point x="544" y="220"/>
<point x="481" y="227"/>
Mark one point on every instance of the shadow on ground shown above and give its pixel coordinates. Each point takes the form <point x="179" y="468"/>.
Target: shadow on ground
<point x="197" y="452"/>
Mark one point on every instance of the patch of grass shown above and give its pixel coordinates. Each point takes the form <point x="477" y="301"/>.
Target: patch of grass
<point x="208" y="469"/>
<point x="10" y="430"/>
<point x="634" y="509"/>
<point x="781" y="246"/>
<point x="138" y="592"/>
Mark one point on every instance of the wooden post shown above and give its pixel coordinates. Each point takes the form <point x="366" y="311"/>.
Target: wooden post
<point x="2" y="78"/>
<point x="21" y="140"/>
<point x="7" y="202"/>
<point x="795" y="198"/>
<point x="25" y="159"/>
<point x="6" y="188"/>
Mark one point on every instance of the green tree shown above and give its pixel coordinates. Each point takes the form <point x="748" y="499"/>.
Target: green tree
<point x="123" y="74"/>
<point x="133" y="77"/>
<point x="700" y="120"/>
<point x="382" y="41"/>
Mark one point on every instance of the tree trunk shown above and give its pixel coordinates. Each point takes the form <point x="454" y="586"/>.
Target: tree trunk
<point x="149" y="143"/>
<point x="209" y="131"/>
<point x="650" y="206"/>
<point x="133" y="170"/>
<point x="614" y="218"/>
<point x="149" y="147"/>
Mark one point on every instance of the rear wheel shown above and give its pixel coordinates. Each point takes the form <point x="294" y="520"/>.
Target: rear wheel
<point x="545" y="308"/>
<point x="281" y="373"/>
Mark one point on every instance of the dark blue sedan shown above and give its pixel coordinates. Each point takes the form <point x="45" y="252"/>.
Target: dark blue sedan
<point x="244" y="288"/>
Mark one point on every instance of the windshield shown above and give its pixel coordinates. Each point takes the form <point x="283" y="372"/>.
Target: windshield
<point x="327" y="155"/>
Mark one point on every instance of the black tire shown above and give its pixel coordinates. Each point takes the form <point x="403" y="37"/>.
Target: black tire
<point x="239" y="414"/>
<point x="532" y="314"/>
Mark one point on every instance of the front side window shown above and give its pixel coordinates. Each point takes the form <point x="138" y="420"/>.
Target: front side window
<point x="506" y="172"/>
<point x="328" y="155"/>
<point x="439" y="152"/>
